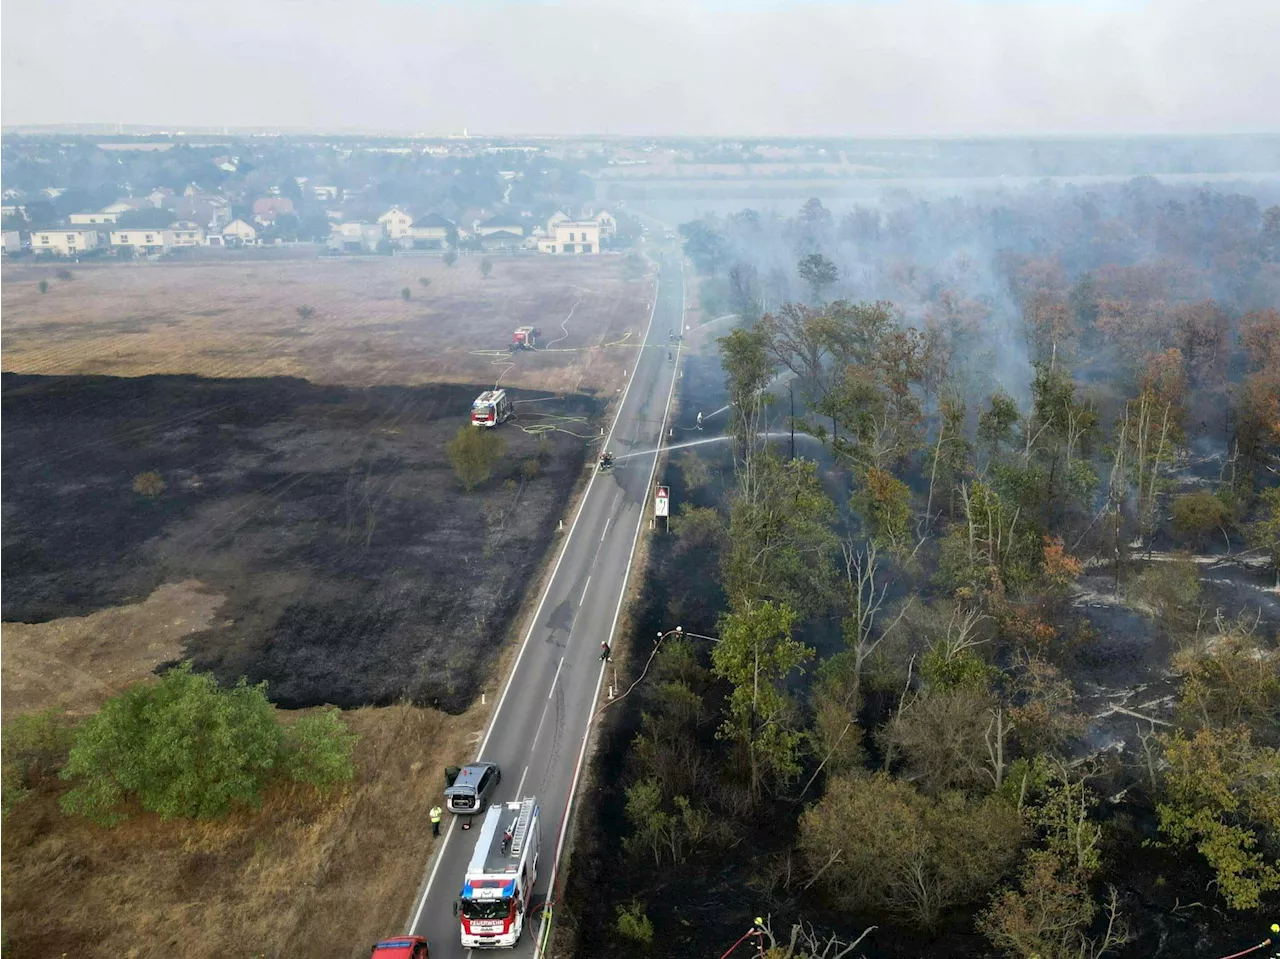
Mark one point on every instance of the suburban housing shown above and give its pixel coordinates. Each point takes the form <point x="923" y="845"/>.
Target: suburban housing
<point x="66" y="241"/>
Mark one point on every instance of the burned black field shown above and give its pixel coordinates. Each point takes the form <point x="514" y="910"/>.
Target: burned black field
<point x="354" y="568"/>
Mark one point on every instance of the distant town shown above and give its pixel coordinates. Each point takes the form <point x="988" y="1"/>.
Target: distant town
<point x="158" y="193"/>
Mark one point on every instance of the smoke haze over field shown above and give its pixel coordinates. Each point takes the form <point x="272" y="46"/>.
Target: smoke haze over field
<point x="754" y="67"/>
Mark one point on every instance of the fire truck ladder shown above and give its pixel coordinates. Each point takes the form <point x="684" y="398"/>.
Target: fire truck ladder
<point x="522" y="827"/>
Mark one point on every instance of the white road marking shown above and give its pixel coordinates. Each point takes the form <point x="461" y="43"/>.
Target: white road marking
<point x="584" y="591"/>
<point x="520" y="788"/>
<point x="552" y="692"/>
<point x="606" y="529"/>
<point x="533" y="624"/>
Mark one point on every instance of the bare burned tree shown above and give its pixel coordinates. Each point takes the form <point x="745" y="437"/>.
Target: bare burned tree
<point x="805" y="942"/>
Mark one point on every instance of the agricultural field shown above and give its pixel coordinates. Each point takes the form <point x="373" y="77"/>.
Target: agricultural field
<point x="332" y="320"/>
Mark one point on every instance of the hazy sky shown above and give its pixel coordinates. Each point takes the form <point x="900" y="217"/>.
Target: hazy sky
<point x="859" y="67"/>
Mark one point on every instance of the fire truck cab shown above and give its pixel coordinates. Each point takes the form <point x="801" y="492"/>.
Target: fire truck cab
<point x="525" y="338"/>
<point x="491" y="408"/>
<point x="498" y="887"/>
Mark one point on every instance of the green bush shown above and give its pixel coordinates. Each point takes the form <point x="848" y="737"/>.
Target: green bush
<point x="185" y="748"/>
<point x="633" y="924"/>
<point x="474" y="452"/>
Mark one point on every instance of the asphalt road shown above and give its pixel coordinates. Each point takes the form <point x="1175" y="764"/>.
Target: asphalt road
<point x="538" y="732"/>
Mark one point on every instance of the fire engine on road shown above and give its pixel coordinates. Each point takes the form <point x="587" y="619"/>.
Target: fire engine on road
<point x="498" y="887"/>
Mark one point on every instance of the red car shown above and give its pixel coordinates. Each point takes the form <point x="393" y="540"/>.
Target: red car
<point x="401" y="947"/>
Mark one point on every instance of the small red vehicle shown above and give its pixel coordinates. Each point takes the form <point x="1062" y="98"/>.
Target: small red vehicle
<point x="401" y="947"/>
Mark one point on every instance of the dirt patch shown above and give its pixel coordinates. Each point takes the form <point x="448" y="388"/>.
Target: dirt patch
<point x="305" y="875"/>
<point x="238" y="317"/>
<point x="355" y="570"/>
<point x="77" y="662"/>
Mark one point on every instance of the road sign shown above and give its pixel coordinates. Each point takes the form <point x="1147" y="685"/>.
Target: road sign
<point x="662" y="502"/>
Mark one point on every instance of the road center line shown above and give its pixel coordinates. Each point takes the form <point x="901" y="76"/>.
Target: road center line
<point x="606" y="529"/>
<point x="584" y="590"/>
<point x="520" y="788"/>
<point x="554" y="678"/>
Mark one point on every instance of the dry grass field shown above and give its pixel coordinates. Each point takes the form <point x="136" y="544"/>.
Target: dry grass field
<point x="237" y="316"/>
<point x="305" y="875"/>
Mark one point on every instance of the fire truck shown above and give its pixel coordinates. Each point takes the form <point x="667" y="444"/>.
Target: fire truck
<point x="491" y="408"/>
<point x="498" y="887"/>
<point x="525" y="338"/>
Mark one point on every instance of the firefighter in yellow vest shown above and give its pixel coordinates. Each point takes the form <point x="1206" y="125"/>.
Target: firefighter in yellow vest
<point x="436" y="812"/>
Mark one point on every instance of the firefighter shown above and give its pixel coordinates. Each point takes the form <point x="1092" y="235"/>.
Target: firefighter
<point x="604" y="651"/>
<point x="436" y="813"/>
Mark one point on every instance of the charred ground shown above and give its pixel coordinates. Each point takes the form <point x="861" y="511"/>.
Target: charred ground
<point x="354" y="568"/>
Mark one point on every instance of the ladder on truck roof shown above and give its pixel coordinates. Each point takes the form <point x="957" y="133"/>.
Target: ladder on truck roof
<point x="522" y="826"/>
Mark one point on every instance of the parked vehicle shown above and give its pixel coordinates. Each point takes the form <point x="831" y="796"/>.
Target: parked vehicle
<point x="525" y="338"/>
<point x="491" y="408"/>
<point x="497" y="890"/>
<point x="401" y="947"/>
<point x="472" y="789"/>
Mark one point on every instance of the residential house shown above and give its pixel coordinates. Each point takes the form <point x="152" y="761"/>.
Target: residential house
<point x="142" y="241"/>
<point x="501" y="240"/>
<point x="356" y="237"/>
<point x="187" y="233"/>
<point x="432" y="232"/>
<point x="89" y="219"/>
<point x="570" y="236"/>
<point x="210" y="210"/>
<point x="500" y="224"/>
<point x="125" y="204"/>
<point x="266" y="209"/>
<point x="608" y="225"/>
<point x="12" y="242"/>
<point x="68" y="241"/>
<point x="160" y="197"/>
<point x="396" y="223"/>
<point x="323" y="191"/>
<point x="239" y="233"/>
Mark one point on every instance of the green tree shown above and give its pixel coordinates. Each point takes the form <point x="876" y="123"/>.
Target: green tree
<point x="875" y="843"/>
<point x="1264" y="531"/>
<point x="698" y="528"/>
<point x="406" y="293"/>
<point x="819" y="272"/>
<point x="755" y="654"/>
<point x="450" y="257"/>
<point x="780" y="539"/>
<point x="44" y="286"/>
<point x="1220" y="798"/>
<point x="486" y="267"/>
<point x="182" y="747"/>
<point x="318" y="749"/>
<point x="33" y="745"/>
<point x="306" y="312"/>
<point x="1199" y="515"/>
<point x="474" y="452"/>
<point x="424" y="282"/>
